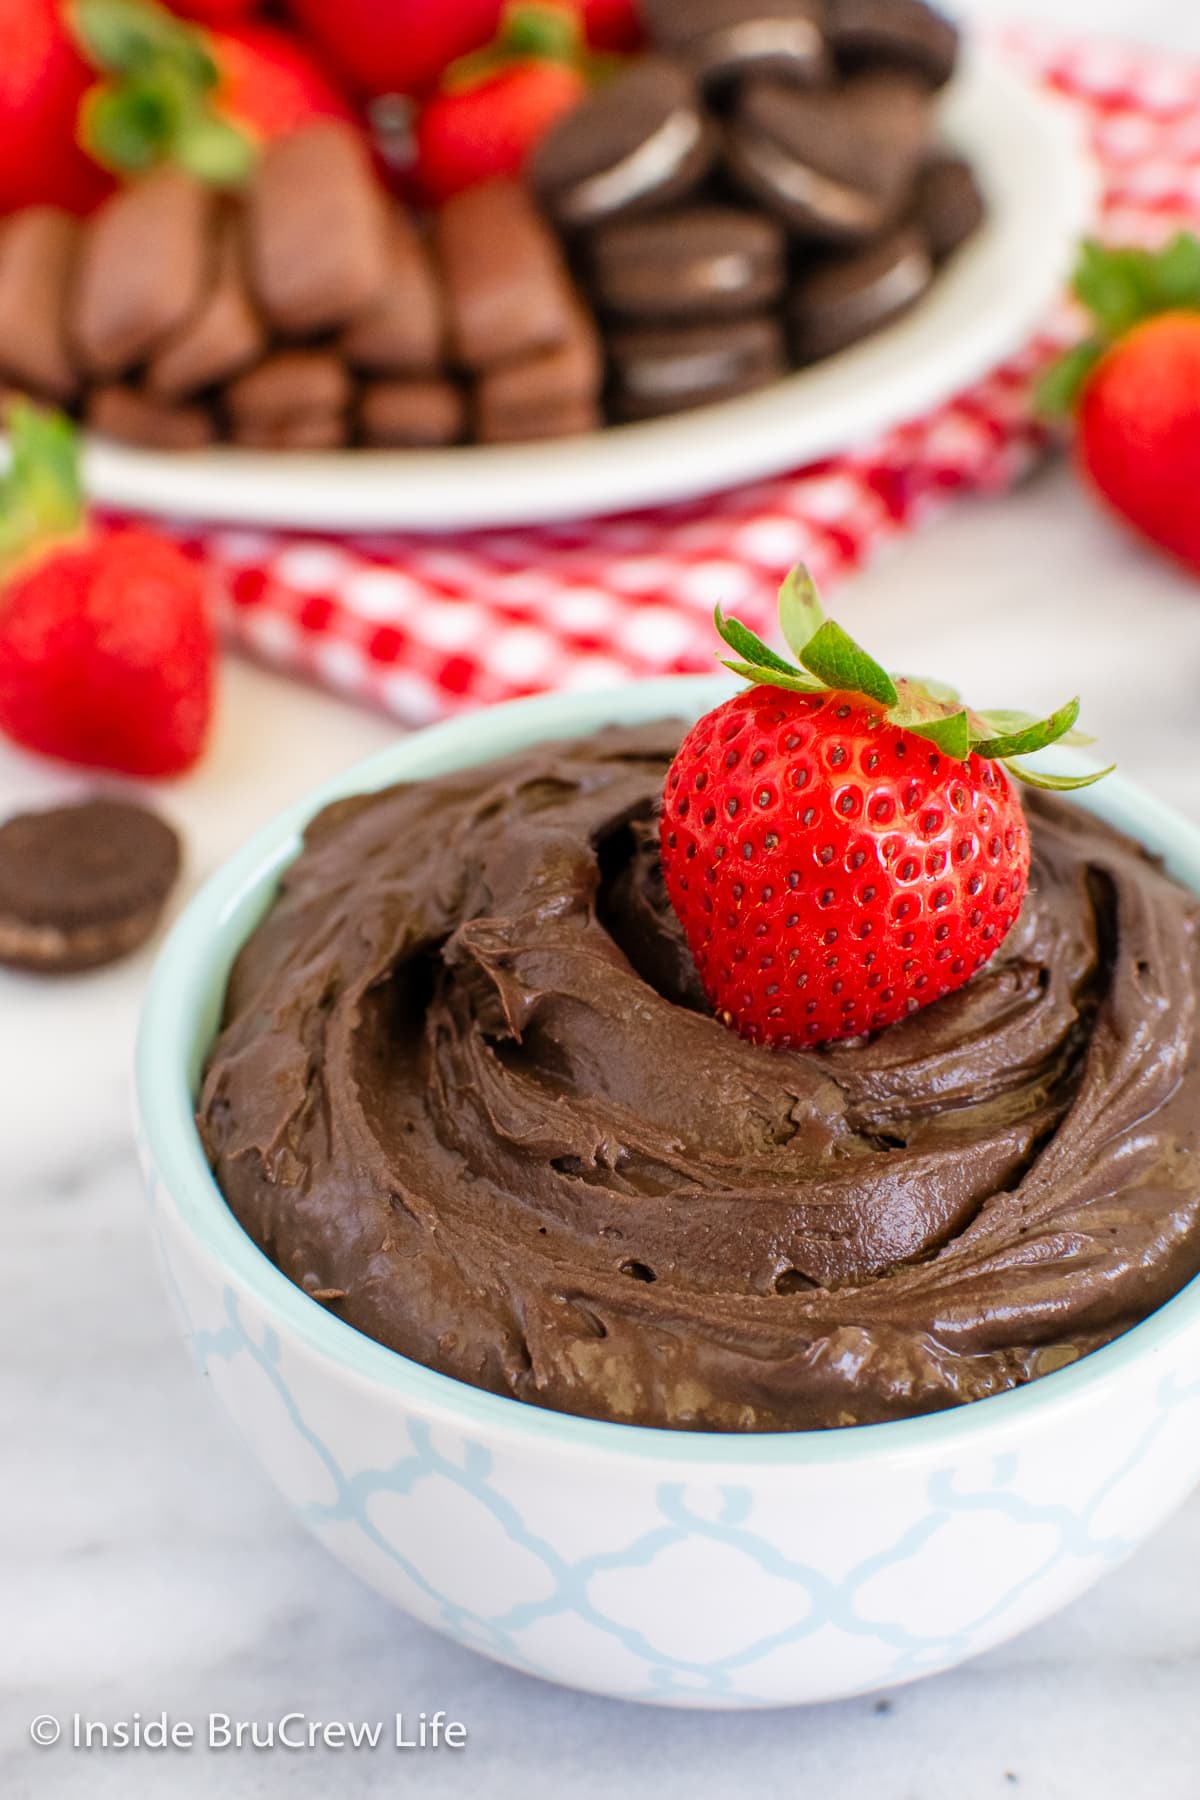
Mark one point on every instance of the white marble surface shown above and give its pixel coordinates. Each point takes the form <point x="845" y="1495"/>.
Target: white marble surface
<point x="146" y="1566"/>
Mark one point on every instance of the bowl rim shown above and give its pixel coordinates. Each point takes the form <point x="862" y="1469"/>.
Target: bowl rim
<point x="180" y="1012"/>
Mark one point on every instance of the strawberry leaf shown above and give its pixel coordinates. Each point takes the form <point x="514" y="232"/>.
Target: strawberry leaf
<point x="739" y="637"/>
<point x="801" y="614"/>
<point x="1114" y="285"/>
<point x="1059" y="389"/>
<point x="1177" y="273"/>
<point x="1056" y="784"/>
<point x="41" y="496"/>
<point x="1026" y="737"/>
<point x="952" y="735"/>
<point x="833" y="656"/>
<point x="795" y="681"/>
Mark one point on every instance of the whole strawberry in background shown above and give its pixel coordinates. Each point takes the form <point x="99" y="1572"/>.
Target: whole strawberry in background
<point x="841" y="847"/>
<point x="1134" y="386"/>
<point x="170" y="90"/>
<point x="493" y="108"/>
<point x="42" y="81"/>
<point x="215" y="12"/>
<point x="395" y="46"/>
<point x="107" y="652"/>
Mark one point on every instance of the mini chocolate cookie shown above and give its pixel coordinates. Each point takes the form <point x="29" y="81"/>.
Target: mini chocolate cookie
<point x="667" y="369"/>
<point x="702" y="262"/>
<point x="721" y="40"/>
<point x="145" y="262"/>
<point x="411" y="414"/>
<point x="82" y="885"/>
<point x="837" y="164"/>
<point x="904" y="34"/>
<point x="947" y="204"/>
<point x="136" y="417"/>
<point x="37" y="260"/>
<point x="849" y="297"/>
<point x="635" y="142"/>
<point x="508" y="293"/>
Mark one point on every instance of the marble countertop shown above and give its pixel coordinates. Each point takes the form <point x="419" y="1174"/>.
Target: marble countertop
<point x="146" y="1566"/>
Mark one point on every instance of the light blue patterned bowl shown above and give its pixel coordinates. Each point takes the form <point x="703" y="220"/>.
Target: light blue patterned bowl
<point x="683" y="1568"/>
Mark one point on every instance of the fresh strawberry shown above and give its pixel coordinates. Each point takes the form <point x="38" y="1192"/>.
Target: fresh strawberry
<point x="215" y="12"/>
<point x="495" y="107"/>
<point x="613" y="25"/>
<point x="107" y="655"/>
<point x="42" y="80"/>
<point x="1135" y="386"/>
<point x="842" y="848"/>
<point x="203" y="99"/>
<point x="396" y="46"/>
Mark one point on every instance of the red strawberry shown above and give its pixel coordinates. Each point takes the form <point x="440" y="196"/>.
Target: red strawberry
<point x="611" y="24"/>
<point x="495" y="107"/>
<point x="42" y="81"/>
<point x="107" y="653"/>
<point x="1136" y="386"/>
<point x="215" y="12"/>
<point x="203" y="99"/>
<point x="396" y="46"/>
<point x="841" y="848"/>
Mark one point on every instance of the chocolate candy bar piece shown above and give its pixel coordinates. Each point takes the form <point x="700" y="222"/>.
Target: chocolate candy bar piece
<point x="516" y="401"/>
<point x="636" y="142"/>
<point x="37" y="257"/>
<point x="318" y="230"/>
<point x="136" y="417"/>
<point x="947" y="204"/>
<point x="836" y="164"/>
<point x="702" y="262"/>
<point x="507" y="288"/>
<point x="404" y="332"/>
<point x="318" y="431"/>
<point x="721" y="40"/>
<point x="846" y="299"/>
<point x="667" y="369"/>
<point x="296" y="399"/>
<point x="412" y="414"/>
<point x="904" y="34"/>
<point x="222" y="338"/>
<point x="526" y="425"/>
<point x="144" y="267"/>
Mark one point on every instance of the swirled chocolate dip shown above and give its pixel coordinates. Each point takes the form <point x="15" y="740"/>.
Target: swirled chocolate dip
<point x="468" y="1094"/>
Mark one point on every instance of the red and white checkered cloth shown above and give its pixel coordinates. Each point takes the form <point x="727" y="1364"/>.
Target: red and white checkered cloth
<point x="428" y="625"/>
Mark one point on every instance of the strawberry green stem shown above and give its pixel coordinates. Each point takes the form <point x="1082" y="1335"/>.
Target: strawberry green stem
<point x="41" y="497"/>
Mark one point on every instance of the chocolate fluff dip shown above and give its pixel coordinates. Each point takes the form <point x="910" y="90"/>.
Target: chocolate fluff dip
<point x="467" y="1093"/>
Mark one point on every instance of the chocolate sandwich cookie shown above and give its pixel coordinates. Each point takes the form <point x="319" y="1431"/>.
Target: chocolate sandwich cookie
<point x="295" y="400"/>
<point x="702" y="262"/>
<point x="412" y="415"/>
<point x="636" y="142"/>
<point x="404" y="331"/>
<point x="37" y="259"/>
<point x="837" y="164"/>
<point x="134" y="416"/>
<point x="947" y="204"/>
<point x="722" y="40"/>
<point x="904" y="34"/>
<point x="555" y="393"/>
<point x="82" y="885"/>
<point x="318" y="230"/>
<point x="222" y="338"/>
<point x="145" y="262"/>
<point x="846" y="299"/>
<point x="667" y="369"/>
<point x="507" y="290"/>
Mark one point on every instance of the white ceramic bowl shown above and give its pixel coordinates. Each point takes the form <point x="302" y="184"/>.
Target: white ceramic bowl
<point x="1041" y="190"/>
<point x="678" y="1567"/>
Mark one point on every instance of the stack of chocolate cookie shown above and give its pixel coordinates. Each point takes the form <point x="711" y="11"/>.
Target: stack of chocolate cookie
<point x="761" y="191"/>
<point x="309" y="313"/>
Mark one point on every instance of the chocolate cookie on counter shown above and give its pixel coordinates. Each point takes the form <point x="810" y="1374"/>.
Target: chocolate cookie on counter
<point x="636" y="142"/>
<point x="848" y="297"/>
<point x="947" y="204"/>
<point x="319" y="238"/>
<point x="37" y="261"/>
<point x="701" y="262"/>
<point x="837" y="164"/>
<point x="670" y="368"/>
<point x="720" y="41"/>
<point x="905" y="34"/>
<point x="82" y="885"/>
<point x="145" y="264"/>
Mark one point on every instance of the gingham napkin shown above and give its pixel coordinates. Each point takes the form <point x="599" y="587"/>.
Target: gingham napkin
<point x="423" y="626"/>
